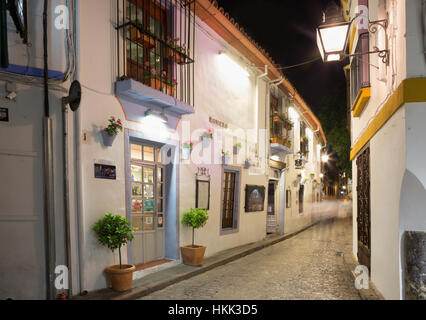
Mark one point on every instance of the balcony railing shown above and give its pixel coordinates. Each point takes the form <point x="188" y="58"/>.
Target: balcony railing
<point x="156" y="41"/>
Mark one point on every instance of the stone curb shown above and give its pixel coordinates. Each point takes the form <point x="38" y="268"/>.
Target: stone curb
<point x="210" y="263"/>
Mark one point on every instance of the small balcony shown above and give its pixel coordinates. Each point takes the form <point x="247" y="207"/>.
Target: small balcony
<point x="155" y="49"/>
<point x="281" y="128"/>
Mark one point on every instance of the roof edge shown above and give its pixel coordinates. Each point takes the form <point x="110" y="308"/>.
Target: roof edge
<point x="220" y="21"/>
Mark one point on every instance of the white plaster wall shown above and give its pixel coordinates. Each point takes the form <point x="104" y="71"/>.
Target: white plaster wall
<point x="413" y="194"/>
<point x="392" y="185"/>
<point x="96" y="74"/>
<point x="386" y="179"/>
<point x="383" y="84"/>
<point x="32" y="56"/>
<point x="416" y="61"/>
<point x="229" y="98"/>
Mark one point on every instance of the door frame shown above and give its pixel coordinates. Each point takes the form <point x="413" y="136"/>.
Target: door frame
<point x="171" y="191"/>
<point x="237" y="199"/>
<point x="364" y="250"/>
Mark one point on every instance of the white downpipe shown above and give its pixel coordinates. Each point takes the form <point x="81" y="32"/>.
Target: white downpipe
<point x="257" y="101"/>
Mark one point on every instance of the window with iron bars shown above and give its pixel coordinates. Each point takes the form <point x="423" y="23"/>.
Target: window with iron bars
<point x="159" y="40"/>
<point x="360" y="68"/>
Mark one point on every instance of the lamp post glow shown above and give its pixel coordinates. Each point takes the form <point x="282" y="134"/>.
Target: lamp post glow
<point x="325" y="158"/>
<point x="332" y="36"/>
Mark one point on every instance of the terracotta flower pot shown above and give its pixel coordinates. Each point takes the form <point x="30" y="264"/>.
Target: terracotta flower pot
<point x="121" y="279"/>
<point x="193" y="256"/>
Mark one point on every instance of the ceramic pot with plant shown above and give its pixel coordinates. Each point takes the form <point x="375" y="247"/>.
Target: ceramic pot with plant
<point x="237" y="148"/>
<point x="110" y="133"/>
<point x="193" y="255"/>
<point x="114" y="232"/>
<point x="299" y="178"/>
<point x="206" y="138"/>
<point x="226" y="158"/>
<point x="186" y="150"/>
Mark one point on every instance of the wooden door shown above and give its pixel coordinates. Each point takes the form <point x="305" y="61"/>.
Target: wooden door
<point x="364" y="217"/>
<point x="228" y="200"/>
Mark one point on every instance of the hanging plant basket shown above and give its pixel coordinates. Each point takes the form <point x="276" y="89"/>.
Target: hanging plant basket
<point x="206" y="142"/>
<point x="107" y="139"/>
<point x="226" y="160"/>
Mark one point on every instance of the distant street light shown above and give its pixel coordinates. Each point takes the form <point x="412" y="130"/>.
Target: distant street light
<point x="325" y="158"/>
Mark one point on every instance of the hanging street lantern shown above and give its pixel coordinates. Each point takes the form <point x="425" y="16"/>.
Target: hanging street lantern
<point x="333" y="36"/>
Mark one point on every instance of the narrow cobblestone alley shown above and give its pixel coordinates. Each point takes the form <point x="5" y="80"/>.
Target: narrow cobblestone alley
<point x="309" y="266"/>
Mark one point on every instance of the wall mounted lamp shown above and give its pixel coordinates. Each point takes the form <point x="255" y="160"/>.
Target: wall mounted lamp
<point x="162" y="117"/>
<point x="333" y="36"/>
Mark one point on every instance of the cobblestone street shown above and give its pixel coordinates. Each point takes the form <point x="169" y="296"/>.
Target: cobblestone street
<point x="308" y="266"/>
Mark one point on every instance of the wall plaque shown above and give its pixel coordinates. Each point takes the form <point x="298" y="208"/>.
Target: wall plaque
<point x="103" y="171"/>
<point x="4" y="114"/>
<point x="255" y="198"/>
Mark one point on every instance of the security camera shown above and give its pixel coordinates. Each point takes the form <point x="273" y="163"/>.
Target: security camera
<point x="11" y="96"/>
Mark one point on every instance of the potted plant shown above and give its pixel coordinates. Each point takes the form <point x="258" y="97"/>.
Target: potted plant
<point x="248" y="163"/>
<point x="110" y="133"/>
<point x="295" y="183"/>
<point x="206" y="138"/>
<point x="114" y="231"/>
<point x="299" y="178"/>
<point x="187" y="149"/>
<point x="226" y="157"/>
<point x="287" y="143"/>
<point x="312" y="176"/>
<point x="196" y="218"/>
<point x="237" y="148"/>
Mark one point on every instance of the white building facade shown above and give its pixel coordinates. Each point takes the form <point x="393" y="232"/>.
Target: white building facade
<point x="388" y="101"/>
<point x="170" y="76"/>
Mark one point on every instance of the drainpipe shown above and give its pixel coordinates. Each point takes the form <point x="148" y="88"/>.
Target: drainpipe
<point x="79" y="173"/>
<point x="257" y="99"/>
<point x="423" y="14"/>
<point x="4" y="50"/>
<point x="48" y="172"/>
<point x="66" y="194"/>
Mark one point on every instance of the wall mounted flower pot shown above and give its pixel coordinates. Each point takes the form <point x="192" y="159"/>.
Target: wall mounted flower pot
<point x="121" y="279"/>
<point x="247" y="165"/>
<point x="108" y="140"/>
<point x="237" y="150"/>
<point x="226" y="160"/>
<point x="193" y="256"/>
<point x="186" y="153"/>
<point x="206" y="142"/>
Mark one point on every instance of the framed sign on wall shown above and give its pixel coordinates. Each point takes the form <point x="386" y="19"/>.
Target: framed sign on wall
<point x="255" y="198"/>
<point x="105" y="172"/>
<point x="202" y="197"/>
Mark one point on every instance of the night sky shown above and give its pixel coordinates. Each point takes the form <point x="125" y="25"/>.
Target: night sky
<point x="287" y="30"/>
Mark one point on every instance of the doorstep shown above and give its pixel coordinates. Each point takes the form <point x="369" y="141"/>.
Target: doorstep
<point x="164" y="278"/>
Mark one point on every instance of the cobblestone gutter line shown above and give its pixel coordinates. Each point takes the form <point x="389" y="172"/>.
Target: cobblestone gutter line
<point x="165" y="278"/>
<point x="371" y="294"/>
